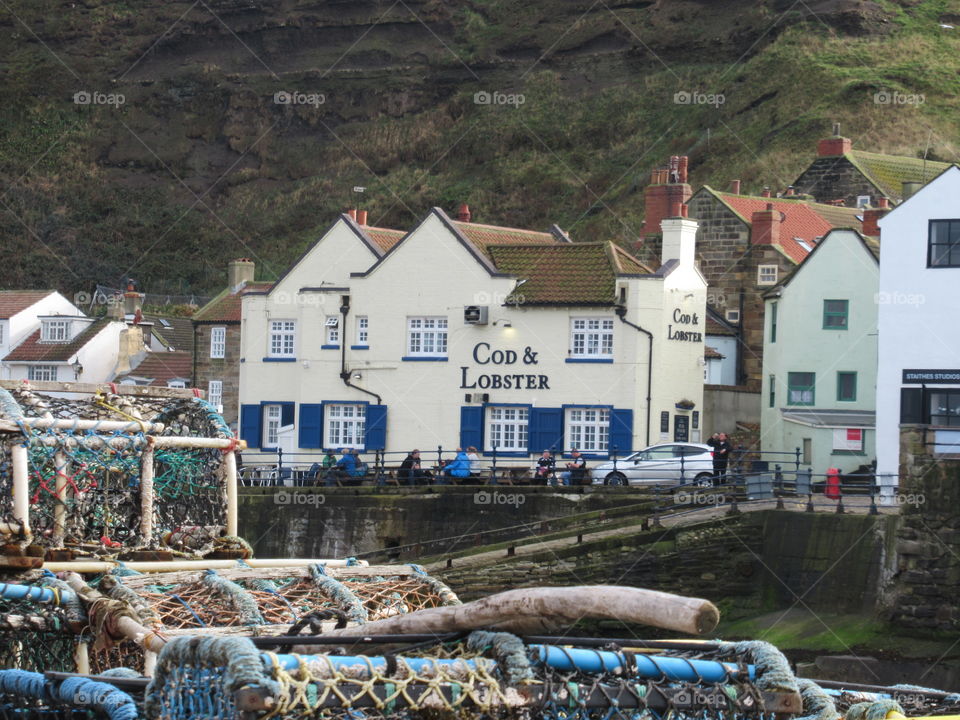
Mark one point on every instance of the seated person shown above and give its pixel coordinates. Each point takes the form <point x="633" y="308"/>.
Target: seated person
<point x="459" y="467"/>
<point x="475" y="468"/>
<point x="545" y="467"/>
<point x="576" y="469"/>
<point x="410" y="471"/>
<point x="349" y="466"/>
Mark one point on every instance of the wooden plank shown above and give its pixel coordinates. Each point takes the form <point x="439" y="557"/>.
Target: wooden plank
<point x="93" y="388"/>
<point x="240" y="573"/>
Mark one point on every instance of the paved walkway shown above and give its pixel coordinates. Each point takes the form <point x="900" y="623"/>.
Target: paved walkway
<point x="854" y="505"/>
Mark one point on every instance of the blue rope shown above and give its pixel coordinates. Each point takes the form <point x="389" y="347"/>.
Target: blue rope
<point x="116" y="703"/>
<point x="184" y="603"/>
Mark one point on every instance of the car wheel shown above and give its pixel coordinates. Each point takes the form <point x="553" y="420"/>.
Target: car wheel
<point x="615" y="478"/>
<point x="703" y="480"/>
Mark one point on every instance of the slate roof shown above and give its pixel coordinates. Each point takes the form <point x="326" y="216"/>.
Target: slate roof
<point x="801" y="220"/>
<point x="889" y="172"/>
<point x="564" y="273"/>
<point x="177" y="334"/>
<point x="225" y="307"/>
<point x="159" y="367"/>
<point x="33" y="350"/>
<point x="14" y="301"/>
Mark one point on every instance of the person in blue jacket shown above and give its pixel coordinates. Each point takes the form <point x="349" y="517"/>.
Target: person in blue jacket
<point x="459" y="467"/>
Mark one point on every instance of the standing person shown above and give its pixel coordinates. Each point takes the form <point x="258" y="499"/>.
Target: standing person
<point x="474" y="458"/>
<point x="576" y="469"/>
<point x="545" y="467"/>
<point x="721" y="456"/>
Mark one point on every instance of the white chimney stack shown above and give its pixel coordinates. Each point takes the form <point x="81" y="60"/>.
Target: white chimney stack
<point x="679" y="240"/>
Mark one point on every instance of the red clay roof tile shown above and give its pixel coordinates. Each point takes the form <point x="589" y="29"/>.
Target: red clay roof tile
<point x="14" y="301"/>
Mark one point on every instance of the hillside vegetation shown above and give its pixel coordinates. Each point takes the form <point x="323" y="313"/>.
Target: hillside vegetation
<point x="200" y="163"/>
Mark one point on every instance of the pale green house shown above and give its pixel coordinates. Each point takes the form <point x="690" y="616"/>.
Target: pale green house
<point x="820" y="357"/>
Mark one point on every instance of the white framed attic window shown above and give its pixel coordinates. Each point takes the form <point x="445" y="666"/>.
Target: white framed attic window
<point x="767" y="274"/>
<point x="733" y="316"/>
<point x="331" y="330"/>
<point x="863" y="201"/>
<point x="54" y="330"/>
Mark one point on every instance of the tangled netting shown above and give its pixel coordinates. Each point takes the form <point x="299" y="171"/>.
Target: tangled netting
<point x="85" y="482"/>
<point x="44" y="635"/>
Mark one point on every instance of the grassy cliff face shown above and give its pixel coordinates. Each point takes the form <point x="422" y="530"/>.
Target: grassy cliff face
<point x="536" y="112"/>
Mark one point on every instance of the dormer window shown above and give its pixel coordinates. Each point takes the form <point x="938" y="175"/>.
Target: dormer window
<point x="54" y="330"/>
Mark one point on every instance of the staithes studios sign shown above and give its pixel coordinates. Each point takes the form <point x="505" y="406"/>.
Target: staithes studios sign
<point x="503" y="360"/>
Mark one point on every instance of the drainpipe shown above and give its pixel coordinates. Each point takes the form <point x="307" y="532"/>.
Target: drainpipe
<point x="621" y="312"/>
<point x="344" y="373"/>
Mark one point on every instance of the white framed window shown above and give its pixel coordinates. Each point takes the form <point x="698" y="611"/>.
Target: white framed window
<point x="331" y="326"/>
<point x="591" y="337"/>
<point x="427" y="336"/>
<point x="733" y="316"/>
<point x="42" y="372"/>
<point x="507" y="428"/>
<point x="363" y="330"/>
<point x="218" y="342"/>
<point x="215" y="393"/>
<point x="55" y="330"/>
<point x="848" y="439"/>
<point x="344" y="425"/>
<point x="588" y="429"/>
<point x="271" y="425"/>
<point x="863" y="201"/>
<point x="767" y="274"/>
<point x="283" y="335"/>
<point x="176" y="383"/>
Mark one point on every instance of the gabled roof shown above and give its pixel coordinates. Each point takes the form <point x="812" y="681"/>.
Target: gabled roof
<point x="32" y="350"/>
<point x="159" y="367"/>
<point x="717" y="324"/>
<point x="871" y="245"/>
<point x="173" y="331"/>
<point x="483" y="236"/>
<point x="383" y="238"/>
<point x="802" y="222"/>
<point x="564" y="273"/>
<point x="889" y="172"/>
<point x="225" y="307"/>
<point x="15" y="301"/>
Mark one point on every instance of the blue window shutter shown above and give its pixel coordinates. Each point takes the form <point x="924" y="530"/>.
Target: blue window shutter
<point x="375" y="436"/>
<point x="287" y="410"/>
<point x="471" y="427"/>
<point x="311" y="425"/>
<point x="621" y="431"/>
<point x="546" y="430"/>
<point x="250" y="425"/>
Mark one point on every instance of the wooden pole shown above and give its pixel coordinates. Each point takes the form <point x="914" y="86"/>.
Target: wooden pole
<point x="61" y="465"/>
<point x="148" y="566"/>
<point x="21" y="485"/>
<point x="146" y="494"/>
<point x="93" y="388"/>
<point x="97" y="442"/>
<point x="110" y="426"/>
<point x="533" y="610"/>
<point x="229" y="466"/>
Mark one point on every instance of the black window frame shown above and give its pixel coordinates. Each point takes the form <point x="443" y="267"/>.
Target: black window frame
<point x="954" y="406"/>
<point x="954" y="246"/>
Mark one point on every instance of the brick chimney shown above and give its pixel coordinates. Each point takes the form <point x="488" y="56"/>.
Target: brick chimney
<point x="766" y="226"/>
<point x="735" y="187"/>
<point x="239" y="272"/>
<point x="352" y="212"/>
<point x="362" y="217"/>
<point x="132" y="300"/>
<point x="463" y="213"/>
<point x="766" y="192"/>
<point x="668" y="187"/>
<point x="834" y="146"/>
<point x="873" y="215"/>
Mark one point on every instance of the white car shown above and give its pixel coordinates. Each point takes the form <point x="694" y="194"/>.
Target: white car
<point x="667" y="464"/>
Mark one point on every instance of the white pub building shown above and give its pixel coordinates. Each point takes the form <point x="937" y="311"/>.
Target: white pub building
<point x="460" y="334"/>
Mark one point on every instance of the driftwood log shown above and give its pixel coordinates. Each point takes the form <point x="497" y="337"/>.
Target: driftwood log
<point x="531" y="611"/>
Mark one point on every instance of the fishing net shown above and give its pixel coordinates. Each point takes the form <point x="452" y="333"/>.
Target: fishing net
<point x="85" y="464"/>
